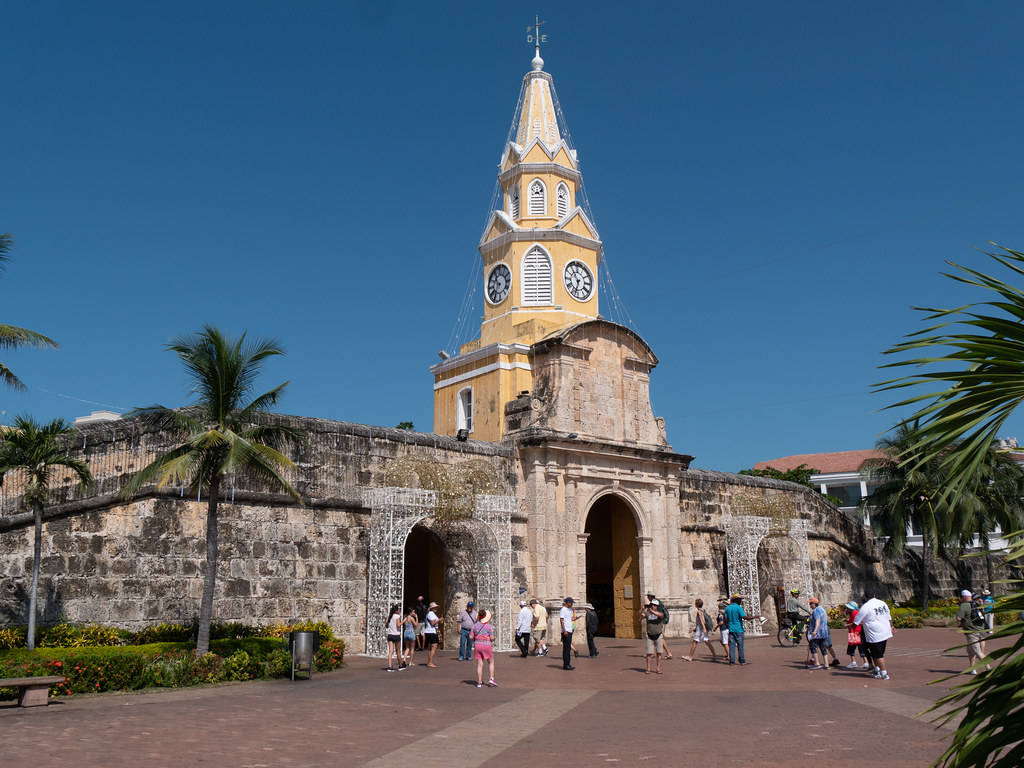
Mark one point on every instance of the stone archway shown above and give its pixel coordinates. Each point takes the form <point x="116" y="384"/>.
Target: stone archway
<point x="612" y="566"/>
<point x="743" y="537"/>
<point x="393" y="514"/>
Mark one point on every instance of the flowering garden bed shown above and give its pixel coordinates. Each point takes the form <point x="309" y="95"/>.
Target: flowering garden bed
<point x="93" y="669"/>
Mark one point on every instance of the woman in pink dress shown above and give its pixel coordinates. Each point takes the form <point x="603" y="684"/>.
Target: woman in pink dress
<point x="482" y="636"/>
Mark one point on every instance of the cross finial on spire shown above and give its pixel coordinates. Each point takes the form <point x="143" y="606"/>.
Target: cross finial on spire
<point x="534" y="36"/>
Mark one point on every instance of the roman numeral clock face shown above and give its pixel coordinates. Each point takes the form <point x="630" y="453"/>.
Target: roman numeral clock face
<point x="498" y="283"/>
<point x="578" y="280"/>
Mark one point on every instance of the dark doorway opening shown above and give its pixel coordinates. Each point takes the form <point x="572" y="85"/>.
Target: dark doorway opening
<point x="425" y="568"/>
<point x="613" y="567"/>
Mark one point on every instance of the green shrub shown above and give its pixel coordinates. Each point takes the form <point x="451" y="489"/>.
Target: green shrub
<point x="233" y="630"/>
<point x="239" y="666"/>
<point x="164" y="633"/>
<point x="907" y="618"/>
<point x="12" y="637"/>
<point x="330" y="654"/>
<point x="277" y="664"/>
<point x="62" y="635"/>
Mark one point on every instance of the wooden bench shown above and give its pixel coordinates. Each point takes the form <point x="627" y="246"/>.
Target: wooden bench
<point x="34" y="691"/>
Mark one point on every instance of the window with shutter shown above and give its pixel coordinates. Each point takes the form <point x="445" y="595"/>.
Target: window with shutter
<point x="538" y="198"/>
<point x="562" y="199"/>
<point x="536" y="277"/>
<point x="464" y="410"/>
<point x="513" y="202"/>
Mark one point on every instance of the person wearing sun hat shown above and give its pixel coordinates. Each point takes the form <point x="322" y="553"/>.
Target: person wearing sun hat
<point x="734" y="616"/>
<point x="854" y="638"/>
<point x="430" y="633"/>
<point x="482" y="636"/>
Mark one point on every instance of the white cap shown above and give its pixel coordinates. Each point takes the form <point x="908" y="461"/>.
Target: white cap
<point x="965" y="593"/>
<point x="522" y="603"/>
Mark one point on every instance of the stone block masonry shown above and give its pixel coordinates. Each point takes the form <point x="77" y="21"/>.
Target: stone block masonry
<point x="137" y="563"/>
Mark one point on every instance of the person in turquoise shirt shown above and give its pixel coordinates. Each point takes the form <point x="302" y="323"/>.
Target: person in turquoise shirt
<point x="734" y="615"/>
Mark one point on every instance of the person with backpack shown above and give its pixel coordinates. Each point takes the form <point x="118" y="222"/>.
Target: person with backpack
<point x="653" y="616"/>
<point x="663" y="642"/>
<point x="971" y="621"/>
<point x="702" y="631"/>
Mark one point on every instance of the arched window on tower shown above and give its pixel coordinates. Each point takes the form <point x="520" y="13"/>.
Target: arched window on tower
<point x="562" y="199"/>
<point x="537" y="280"/>
<point x="538" y="198"/>
<point x="513" y="201"/>
<point x="464" y="410"/>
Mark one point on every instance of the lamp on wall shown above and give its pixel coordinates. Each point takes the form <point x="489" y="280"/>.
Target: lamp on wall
<point x="462" y="435"/>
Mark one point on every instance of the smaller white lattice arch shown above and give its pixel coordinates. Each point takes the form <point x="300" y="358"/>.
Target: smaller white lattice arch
<point x="513" y="201"/>
<point x="562" y="199"/>
<point x="537" y="198"/>
<point x="536" y="277"/>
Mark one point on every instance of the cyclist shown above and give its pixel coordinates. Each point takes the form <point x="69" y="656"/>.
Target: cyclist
<point x="794" y="608"/>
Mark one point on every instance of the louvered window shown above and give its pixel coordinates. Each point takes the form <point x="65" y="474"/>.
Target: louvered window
<point x="536" y="280"/>
<point x="538" y="198"/>
<point x="464" y="410"/>
<point x="563" y="200"/>
<point x="513" y="202"/>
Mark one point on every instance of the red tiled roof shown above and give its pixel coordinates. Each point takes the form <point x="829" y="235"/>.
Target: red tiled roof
<point x="824" y="463"/>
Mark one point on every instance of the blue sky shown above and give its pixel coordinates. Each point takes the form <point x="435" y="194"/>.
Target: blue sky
<point x="775" y="186"/>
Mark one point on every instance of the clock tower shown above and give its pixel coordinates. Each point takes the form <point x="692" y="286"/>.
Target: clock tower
<point x="540" y="256"/>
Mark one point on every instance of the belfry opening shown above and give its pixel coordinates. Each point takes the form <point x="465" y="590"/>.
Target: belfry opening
<point x="425" y="565"/>
<point x="613" y="567"/>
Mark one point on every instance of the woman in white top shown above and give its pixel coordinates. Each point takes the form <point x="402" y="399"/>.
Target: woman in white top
<point x="394" y="631"/>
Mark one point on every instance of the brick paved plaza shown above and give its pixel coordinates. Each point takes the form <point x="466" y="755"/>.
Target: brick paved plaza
<point x="770" y="713"/>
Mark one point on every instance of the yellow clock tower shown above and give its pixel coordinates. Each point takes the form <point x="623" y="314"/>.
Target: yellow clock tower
<point x="540" y="262"/>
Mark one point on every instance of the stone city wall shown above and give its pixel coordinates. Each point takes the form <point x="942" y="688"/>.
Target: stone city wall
<point x="141" y="562"/>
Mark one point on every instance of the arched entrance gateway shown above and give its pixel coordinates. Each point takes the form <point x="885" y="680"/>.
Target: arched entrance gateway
<point x="398" y="515"/>
<point x="613" y="566"/>
<point x="787" y="561"/>
<point x="426" y="564"/>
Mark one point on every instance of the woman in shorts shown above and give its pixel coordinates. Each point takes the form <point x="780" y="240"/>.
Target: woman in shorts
<point x="394" y="632"/>
<point x="701" y="632"/>
<point x="482" y="636"/>
<point x="409" y="635"/>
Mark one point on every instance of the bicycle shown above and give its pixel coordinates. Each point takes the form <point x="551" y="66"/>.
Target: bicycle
<point x="790" y="633"/>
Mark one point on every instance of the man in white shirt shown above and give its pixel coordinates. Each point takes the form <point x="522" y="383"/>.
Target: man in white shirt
<point x="430" y="633"/>
<point x="524" y="624"/>
<point x="565" y="624"/>
<point x="539" y="630"/>
<point x="876" y="625"/>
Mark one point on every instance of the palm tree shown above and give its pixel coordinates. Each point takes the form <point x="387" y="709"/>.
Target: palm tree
<point x="907" y="497"/>
<point x="38" y="450"/>
<point x="995" y="501"/>
<point x="12" y="337"/>
<point x="976" y="358"/>
<point x="971" y="362"/>
<point x="220" y="435"/>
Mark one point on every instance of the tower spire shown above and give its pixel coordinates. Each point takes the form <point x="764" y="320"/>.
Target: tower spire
<point x="534" y="36"/>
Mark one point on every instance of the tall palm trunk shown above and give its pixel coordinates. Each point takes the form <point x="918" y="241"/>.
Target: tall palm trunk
<point x="210" y="580"/>
<point x="37" y="552"/>
<point x="989" y="575"/>
<point x="925" y="568"/>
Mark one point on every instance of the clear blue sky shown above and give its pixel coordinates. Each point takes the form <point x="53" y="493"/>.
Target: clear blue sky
<point x="775" y="185"/>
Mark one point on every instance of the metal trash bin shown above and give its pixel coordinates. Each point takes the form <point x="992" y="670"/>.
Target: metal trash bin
<point x="303" y="647"/>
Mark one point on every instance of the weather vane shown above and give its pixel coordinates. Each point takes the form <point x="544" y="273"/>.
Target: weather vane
<point x="533" y="34"/>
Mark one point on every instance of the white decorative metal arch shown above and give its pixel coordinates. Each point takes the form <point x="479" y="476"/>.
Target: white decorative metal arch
<point x="394" y="512"/>
<point x="743" y="535"/>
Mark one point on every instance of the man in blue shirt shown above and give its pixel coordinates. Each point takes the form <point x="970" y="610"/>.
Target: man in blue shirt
<point x="819" y="638"/>
<point x="734" y="615"/>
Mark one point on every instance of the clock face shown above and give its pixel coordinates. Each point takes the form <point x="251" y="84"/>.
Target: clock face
<point x="498" y="283"/>
<point x="578" y="280"/>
